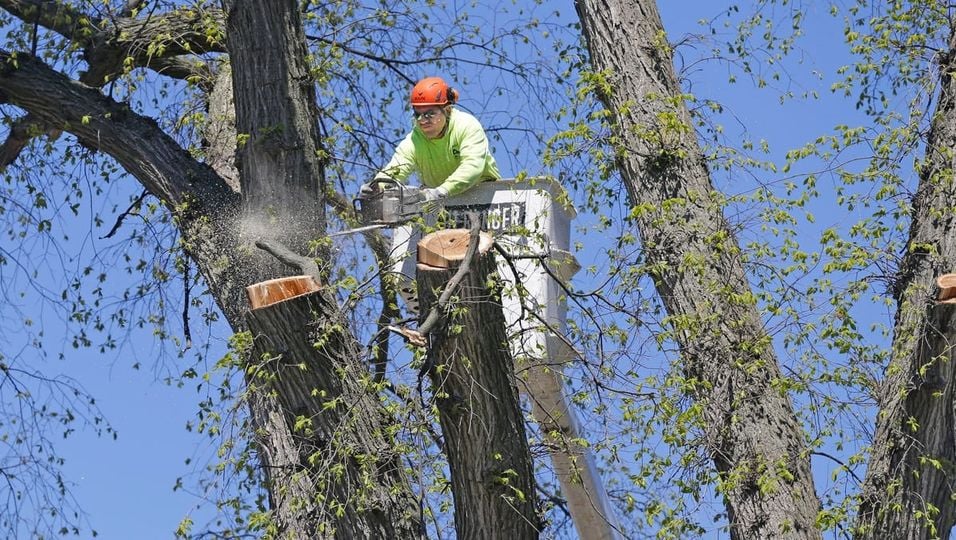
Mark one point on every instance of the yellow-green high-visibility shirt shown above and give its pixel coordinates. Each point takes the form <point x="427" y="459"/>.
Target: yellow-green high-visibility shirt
<point x="457" y="160"/>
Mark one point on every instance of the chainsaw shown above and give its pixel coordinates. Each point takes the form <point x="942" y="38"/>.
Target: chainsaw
<point x="388" y="204"/>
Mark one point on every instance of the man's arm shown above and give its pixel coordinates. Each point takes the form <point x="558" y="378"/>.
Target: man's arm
<point x="402" y="164"/>
<point x="474" y="155"/>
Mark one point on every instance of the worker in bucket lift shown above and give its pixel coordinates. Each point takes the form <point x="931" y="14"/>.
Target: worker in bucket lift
<point x="448" y="149"/>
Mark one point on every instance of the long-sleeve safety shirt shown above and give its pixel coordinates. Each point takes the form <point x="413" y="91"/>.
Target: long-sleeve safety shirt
<point x="457" y="160"/>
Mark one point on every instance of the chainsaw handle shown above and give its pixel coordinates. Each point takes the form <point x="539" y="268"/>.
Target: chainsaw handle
<point x="374" y="193"/>
<point x="385" y="180"/>
<point x="369" y="205"/>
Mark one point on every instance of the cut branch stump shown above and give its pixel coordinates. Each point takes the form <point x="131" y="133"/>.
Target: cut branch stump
<point x="267" y="293"/>
<point x="947" y="289"/>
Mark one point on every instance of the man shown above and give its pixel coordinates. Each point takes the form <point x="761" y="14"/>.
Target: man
<point x="448" y="149"/>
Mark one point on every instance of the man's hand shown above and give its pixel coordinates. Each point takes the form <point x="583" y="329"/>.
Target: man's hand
<point x="370" y="188"/>
<point x="432" y="199"/>
<point x="434" y="194"/>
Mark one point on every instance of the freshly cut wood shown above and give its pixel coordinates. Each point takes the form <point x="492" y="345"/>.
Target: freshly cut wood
<point x="947" y="289"/>
<point x="446" y="248"/>
<point x="266" y="293"/>
<point x="946" y="281"/>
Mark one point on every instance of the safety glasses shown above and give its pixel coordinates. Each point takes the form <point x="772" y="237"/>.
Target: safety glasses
<point x="427" y="116"/>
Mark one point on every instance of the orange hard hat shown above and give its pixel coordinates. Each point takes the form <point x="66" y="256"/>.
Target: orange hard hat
<point x="433" y="91"/>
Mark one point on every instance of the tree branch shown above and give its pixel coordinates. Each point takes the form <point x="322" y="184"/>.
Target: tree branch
<point x="128" y="211"/>
<point x="135" y="141"/>
<point x="305" y="265"/>
<point x="22" y="131"/>
<point x="177" y="32"/>
<point x="50" y="14"/>
<point x="106" y="49"/>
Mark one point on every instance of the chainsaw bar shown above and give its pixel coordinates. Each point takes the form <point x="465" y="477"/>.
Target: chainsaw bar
<point x="361" y="229"/>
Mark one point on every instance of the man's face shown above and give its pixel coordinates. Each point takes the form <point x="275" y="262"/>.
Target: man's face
<point x="431" y="120"/>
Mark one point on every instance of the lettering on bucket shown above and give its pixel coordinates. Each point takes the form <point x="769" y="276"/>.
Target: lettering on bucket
<point x="501" y="217"/>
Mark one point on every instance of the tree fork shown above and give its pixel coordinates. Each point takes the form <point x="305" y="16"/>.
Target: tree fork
<point x="472" y="376"/>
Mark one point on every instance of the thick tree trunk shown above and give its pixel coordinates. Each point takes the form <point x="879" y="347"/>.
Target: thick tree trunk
<point x="472" y="376"/>
<point x="326" y="439"/>
<point x="752" y="434"/>
<point x="911" y="478"/>
<point x="326" y="443"/>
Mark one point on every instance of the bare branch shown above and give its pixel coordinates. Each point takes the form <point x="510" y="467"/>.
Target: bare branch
<point x="305" y="265"/>
<point x="121" y="217"/>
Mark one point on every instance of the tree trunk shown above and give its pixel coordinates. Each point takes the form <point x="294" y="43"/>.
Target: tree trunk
<point x="326" y="440"/>
<point x="472" y="376"/>
<point x="752" y="434"/>
<point x="282" y="176"/>
<point x="327" y="446"/>
<point x="911" y="478"/>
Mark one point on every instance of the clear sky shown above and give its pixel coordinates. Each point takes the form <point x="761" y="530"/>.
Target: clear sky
<point x="126" y="485"/>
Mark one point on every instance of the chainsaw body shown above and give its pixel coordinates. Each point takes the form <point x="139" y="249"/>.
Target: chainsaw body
<point x="391" y="203"/>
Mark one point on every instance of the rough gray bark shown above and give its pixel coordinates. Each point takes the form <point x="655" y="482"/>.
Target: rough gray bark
<point x="219" y="130"/>
<point x="483" y="430"/>
<point x="325" y="443"/>
<point x="209" y="213"/>
<point x="282" y="183"/>
<point x="751" y="433"/>
<point x="911" y="477"/>
<point x="282" y="177"/>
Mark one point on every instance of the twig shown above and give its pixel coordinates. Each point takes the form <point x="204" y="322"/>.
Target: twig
<point x="305" y="265"/>
<point x="838" y="462"/>
<point x="187" y="289"/>
<point x="122" y="217"/>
